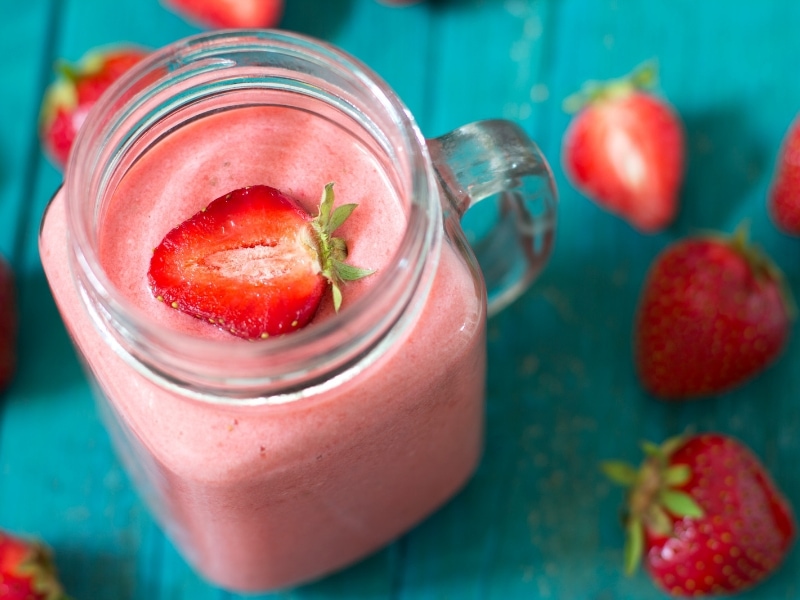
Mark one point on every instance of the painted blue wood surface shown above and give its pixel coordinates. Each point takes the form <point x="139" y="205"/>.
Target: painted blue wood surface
<point x="538" y="520"/>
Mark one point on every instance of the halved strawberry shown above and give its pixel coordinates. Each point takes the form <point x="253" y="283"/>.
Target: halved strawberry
<point x="624" y="149"/>
<point x="254" y="262"/>
<point x="68" y="100"/>
<point x="217" y="14"/>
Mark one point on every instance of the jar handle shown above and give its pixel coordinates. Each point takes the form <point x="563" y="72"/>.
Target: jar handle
<point x="495" y="159"/>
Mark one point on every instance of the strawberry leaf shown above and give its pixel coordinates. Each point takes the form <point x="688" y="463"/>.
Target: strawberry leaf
<point x="634" y="545"/>
<point x="60" y="94"/>
<point x="325" y="206"/>
<point x="337" y="296"/>
<point x="670" y="445"/>
<point x="67" y="71"/>
<point x="619" y="472"/>
<point x="340" y="215"/>
<point x="346" y="272"/>
<point x="652" y="450"/>
<point x="677" y="475"/>
<point x="643" y="77"/>
<point x="680" y="504"/>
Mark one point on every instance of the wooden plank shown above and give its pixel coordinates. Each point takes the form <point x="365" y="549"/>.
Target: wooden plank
<point x="22" y="82"/>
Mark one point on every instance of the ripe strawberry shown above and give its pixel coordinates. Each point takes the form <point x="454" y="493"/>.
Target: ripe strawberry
<point x="68" y="100"/>
<point x="222" y="14"/>
<point x="27" y="571"/>
<point x="8" y="325"/>
<point x="704" y="514"/>
<point x="713" y="312"/>
<point x="253" y="262"/>
<point x="624" y="149"/>
<point x="784" y="196"/>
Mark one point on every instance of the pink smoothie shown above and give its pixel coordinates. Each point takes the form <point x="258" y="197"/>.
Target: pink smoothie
<point x="266" y="497"/>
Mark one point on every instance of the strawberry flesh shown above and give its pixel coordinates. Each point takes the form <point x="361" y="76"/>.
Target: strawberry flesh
<point x="248" y="263"/>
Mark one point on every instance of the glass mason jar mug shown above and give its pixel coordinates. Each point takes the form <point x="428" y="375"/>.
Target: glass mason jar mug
<point x="272" y="463"/>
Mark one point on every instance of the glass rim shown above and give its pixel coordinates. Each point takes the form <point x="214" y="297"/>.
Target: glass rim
<point x="149" y="343"/>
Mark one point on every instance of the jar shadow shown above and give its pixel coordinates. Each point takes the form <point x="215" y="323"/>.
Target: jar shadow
<point x="40" y="321"/>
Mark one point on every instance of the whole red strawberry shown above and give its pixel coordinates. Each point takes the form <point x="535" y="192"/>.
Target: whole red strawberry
<point x="254" y="262"/>
<point x="704" y="515"/>
<point x="27" y="571"/>
<point x="624" y="149"/>
<point x="68" y="100"/>
<point x="221" y="14"/>
<point x="713" y="312"/>
<point x="8" y="325"/>
<point x="784" y="196"/>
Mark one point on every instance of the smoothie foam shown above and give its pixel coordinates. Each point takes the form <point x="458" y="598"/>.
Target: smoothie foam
<point x="265" y="497"/>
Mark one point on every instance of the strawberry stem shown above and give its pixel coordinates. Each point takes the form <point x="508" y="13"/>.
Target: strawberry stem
<point x="67" y="70"/>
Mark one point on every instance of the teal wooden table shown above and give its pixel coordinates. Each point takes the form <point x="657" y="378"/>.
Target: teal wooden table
<point x="538" y="520"/>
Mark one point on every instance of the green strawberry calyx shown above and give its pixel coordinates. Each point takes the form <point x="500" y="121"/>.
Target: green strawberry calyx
<point x="642" y="78"/>
<point x="333" y="250"/>
<point x="654" y="497"/>
<point x="62" y="93"/>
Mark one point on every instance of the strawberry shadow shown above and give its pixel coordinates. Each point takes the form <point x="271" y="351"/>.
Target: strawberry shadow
<point x="726" y="161"/>
<point x="105" y="572"/>
<point x="460" y="3"/>
<point x="784" y="250"/>
<point x="317" y="18"/>
<point x="452" y="3"/>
